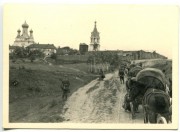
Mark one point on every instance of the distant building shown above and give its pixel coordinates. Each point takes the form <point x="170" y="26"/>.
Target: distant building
<point x="63" y="50"/>
<point x="24" y="39"/>
<point x="47" y="49"/>
<point x="83" y="48"/>
<point x="67" y="51"/>
<point x="94" y="40"/>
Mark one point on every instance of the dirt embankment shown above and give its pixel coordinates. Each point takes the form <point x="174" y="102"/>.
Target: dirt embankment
<point x="99" y="102"/>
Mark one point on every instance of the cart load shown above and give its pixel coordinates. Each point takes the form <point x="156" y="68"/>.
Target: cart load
<point x="134" y="71"/>
<point x="151" y="78"/>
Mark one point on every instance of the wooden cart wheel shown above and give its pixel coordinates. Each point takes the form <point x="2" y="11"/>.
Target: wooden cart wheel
<point x="161" y="120"/>
<point x="132" y="110"/>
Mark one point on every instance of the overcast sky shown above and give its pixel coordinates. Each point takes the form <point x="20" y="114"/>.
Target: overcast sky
<point x="123" y="27"/>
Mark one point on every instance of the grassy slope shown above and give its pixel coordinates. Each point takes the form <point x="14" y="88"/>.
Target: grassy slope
<point x="37" y="98"/>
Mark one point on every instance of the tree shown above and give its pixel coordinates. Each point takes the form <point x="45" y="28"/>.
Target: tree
<point x="35" y="54"/>
<point x="54" y="56"/>
<point x="20" y="52"/>
<point x="32" y="58"/>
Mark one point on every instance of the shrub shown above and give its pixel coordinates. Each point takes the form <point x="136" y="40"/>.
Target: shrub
<point x="12" y="67"/>
<point x="13" y="60"/>
<point x="14" y="82"/>
<point x="54" y="56"/>
<point x="21" y="67"/>
<point x="32" y="58"/>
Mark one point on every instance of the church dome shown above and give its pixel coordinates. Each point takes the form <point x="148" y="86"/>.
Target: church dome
<point x="25" y="25"/>
<point x="18" y="30"/>
<point x="31" y="31"/>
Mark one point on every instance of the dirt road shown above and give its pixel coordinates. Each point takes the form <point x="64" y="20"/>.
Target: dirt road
<point x="99" y="102"/>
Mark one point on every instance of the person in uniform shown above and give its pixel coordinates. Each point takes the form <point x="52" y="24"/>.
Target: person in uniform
<point x="101" y="73"/>
<point x="65" y="87"/>
<point x="121" y="76"/>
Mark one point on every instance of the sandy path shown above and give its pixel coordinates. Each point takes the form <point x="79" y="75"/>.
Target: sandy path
<point x="99" y="102"/>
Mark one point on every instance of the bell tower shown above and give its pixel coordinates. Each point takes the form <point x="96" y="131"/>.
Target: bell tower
<point x="94" y="39"/>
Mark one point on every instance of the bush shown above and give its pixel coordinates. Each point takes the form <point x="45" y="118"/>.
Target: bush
<point x="21" y="67"/>
<point x="32" y="58"/>
<point x="54" y="56"/>
<point x="12" y="67"/>
<point x="14" y="82"/>
<point x="13" y="60"/>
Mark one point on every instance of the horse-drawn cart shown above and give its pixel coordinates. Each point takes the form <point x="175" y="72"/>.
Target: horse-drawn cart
<point x="156" y="101"/>
<point x="131" y="76"/>
<point x="149" y="87"/>
<point x="151" y="78"/>
<point x="134" y="71"/>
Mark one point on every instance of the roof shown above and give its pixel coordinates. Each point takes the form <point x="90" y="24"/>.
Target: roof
<point x="83" y="44"/>
<point x="95" y="32"/>
<point x="42" y="46"/>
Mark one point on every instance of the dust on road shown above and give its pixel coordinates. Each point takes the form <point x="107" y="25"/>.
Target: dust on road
<point x="99" y="102"/>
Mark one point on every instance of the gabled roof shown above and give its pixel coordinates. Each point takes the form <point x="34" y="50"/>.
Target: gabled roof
<point x="42" y="46"/>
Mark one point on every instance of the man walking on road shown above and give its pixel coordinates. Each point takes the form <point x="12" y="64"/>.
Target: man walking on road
<point x="121" y="76"/>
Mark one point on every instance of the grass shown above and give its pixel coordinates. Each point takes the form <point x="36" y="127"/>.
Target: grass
<point x="38" y="96"/>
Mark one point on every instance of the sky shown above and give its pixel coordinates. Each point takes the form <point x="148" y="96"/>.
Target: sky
<point x="121" y="27"/>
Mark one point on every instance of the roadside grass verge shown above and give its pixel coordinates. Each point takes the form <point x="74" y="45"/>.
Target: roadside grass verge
<point x="38" y="97"/>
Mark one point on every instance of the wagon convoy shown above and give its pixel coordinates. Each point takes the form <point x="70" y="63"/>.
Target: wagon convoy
<point x="147" y="87"/>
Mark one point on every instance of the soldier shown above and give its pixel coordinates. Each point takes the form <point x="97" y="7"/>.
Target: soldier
<point x="121" y="76"/>
<point x="65" y="87"/>
<point x="101" y="73"/>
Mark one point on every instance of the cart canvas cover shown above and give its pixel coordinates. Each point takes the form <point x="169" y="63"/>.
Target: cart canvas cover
<point x="151" y="78"/>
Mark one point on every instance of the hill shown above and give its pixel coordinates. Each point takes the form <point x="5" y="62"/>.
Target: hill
<point x="38" y="95"/>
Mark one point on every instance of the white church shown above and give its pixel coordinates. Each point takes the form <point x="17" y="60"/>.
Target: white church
<point x="23" y="38"/>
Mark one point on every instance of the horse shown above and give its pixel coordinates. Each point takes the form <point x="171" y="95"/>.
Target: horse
<point x="170" y="88"/>
<point x="126" y="104"/>
<point x="130" y="106"/>
<point x="170" y="94"/>
<point x="156" y="104"/>
<point x="134" y="99"/>
<point x="136" y="89"/>
<point x="130" y="82"/>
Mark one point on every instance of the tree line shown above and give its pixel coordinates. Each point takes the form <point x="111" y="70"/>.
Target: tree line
<point x="111" y="58"/>
<point x="22" y="53"/>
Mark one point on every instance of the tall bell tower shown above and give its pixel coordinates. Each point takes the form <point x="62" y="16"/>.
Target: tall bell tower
<point x="94" y="39"/>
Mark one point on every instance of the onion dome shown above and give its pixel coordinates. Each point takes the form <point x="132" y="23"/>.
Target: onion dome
<point x="25" y="25"/>
<point x="18" y="30"/>
<point x="31" y="31"/>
